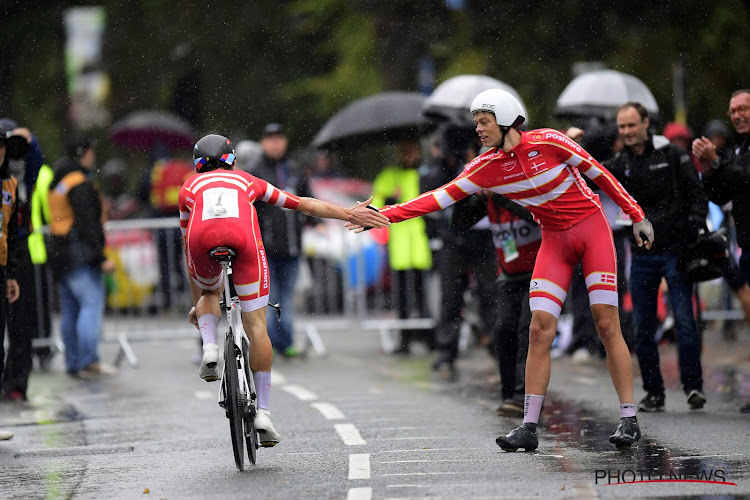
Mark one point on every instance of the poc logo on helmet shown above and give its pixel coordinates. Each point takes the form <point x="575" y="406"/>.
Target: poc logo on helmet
<point x="488" y="106"/>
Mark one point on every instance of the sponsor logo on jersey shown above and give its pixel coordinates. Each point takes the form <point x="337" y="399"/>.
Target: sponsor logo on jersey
<point x="533" y="154"/>
<point x="563" y="139"/>
<point x="533" y="285"/>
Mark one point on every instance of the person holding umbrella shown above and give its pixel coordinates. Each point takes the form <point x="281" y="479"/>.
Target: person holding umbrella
<point x="541" y="170"/>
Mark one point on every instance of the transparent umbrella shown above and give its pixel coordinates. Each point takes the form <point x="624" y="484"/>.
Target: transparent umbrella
<point x="600" y="93"/>
<point x="451" y="99"/>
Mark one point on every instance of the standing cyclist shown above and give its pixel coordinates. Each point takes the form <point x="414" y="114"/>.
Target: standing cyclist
<point x="541" y="170"/>
<point x="217" y="209"/>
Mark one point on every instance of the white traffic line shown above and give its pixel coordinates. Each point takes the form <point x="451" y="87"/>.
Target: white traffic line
<point x="205" y="395"/>
<point x="300" y="392"/>
<point x="433" y="461"/>
<point x="349" y="434"/>
<point x="328" y="410"/>
<point x="584" y="491"/>
<point x="359" y="494"/>
<point x="687" y="457"/>
<point x="359" y="466"/>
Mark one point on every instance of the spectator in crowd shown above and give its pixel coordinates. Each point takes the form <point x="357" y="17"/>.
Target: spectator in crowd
<point x="9" y="290"/>
<point x="249" y="155"/>
<point x="728" y="178"/>
<point x="718" y="133"/>
<point x="466" y="252"/>
<point x="119" y="203"/>
<point x="661" y="176"/>
<point x="326" y="165"/>
<point x="409" y="254"/>
<point x="26" y="318"/>
<point x="76" y="252"/>
<point x="282" y="235"/>
<point x="517" y="239"/>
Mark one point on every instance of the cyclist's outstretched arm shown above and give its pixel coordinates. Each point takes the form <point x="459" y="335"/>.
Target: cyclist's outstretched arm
<point x="360" y="214"/>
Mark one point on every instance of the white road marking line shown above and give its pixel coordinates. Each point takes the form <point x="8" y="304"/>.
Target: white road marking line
<point x="328" y="410"/>
<point x="427" y="449"/>
<point x="278" y="378"/>
<point x="411" y="428"/>
<point x="554" y="456"/>
<point x="300" y="393"/>
<point x="584" y="491"/>
<point x="204" y="395"/>
<point x="359" y="494"/>
<point x="359" y="466"/>
<point x="349" y="434"/>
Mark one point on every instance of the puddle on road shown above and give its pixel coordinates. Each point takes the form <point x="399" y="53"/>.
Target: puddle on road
<point x="583" y="429"/>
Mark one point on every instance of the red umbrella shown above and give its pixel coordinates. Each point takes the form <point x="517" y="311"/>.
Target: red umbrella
<point x="142" y="130"/>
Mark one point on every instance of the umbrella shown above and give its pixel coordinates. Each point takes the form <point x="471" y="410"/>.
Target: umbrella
<point x="452" y="99"/>
<point x="386" y="116"/>
<point x="142" y="130"/>
<point x="600" y="93"/>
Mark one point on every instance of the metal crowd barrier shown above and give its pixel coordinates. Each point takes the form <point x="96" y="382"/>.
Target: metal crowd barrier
<point x="344" y="281"/>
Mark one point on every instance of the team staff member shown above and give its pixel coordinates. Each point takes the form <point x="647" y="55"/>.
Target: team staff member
<point x="728" y="179"/>
<point x="662" y="176"/>
<point x="76" y="254"/>
<point x="541" y="170"/>
<point x="217" y="209"/>
<point x="8" y="231"/>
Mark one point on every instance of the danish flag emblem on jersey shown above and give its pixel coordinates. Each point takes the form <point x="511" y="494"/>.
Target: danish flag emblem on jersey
<point x="608" y="278"/>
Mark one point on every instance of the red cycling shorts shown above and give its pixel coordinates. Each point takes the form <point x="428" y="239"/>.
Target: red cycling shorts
<point x="249" y="267"/>
<point x="590" y="242"/>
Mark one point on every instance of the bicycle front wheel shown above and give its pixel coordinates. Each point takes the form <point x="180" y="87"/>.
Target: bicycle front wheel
<point x="235" y="402"/>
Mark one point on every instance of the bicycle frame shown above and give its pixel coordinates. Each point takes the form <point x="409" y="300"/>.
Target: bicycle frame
<point x="234" y="318"/>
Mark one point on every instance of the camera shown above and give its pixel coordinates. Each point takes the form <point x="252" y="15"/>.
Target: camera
<point x="16" y="147"/>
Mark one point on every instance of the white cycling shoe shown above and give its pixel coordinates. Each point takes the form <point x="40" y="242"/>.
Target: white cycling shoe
<point x="268" y="435"/>
<point x="209" y="370"/>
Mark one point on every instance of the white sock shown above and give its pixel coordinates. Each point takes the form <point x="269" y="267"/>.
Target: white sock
<point x="627" y="410"/>
<point x="532" y="407"/>
<point x="207" y="324"/>
<point x="263" y="387"/>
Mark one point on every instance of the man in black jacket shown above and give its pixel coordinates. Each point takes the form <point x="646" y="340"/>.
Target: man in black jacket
<point x="282" y="235"/>
<point x="661" y="176"/>
<point x="728" y="178"/>
<point x="76" y="253"/>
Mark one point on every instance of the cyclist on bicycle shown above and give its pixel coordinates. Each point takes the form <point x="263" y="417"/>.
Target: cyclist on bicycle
<point x="541" y="170"/>
<point x="217" y="209"/>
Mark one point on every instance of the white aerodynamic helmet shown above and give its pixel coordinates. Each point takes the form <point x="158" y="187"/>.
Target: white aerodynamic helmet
<point x="506" y="108"/>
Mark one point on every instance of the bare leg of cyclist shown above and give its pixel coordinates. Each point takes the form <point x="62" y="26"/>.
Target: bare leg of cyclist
<point x="261" y="356"/>
<point x="607" y="321"/>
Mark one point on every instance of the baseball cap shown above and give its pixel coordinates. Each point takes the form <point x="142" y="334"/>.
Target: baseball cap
<point x="273" y="128"/>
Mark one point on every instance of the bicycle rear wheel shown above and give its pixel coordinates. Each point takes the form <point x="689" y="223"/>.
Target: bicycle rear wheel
<point x="251" y="435"/>
<point x="235" y="400"/>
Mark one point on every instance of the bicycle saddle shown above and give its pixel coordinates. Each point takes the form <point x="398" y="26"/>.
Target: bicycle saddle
<point x="222" y="253"/>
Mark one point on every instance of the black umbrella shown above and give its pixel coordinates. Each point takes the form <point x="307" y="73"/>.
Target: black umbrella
<point x="142" y="130"/>
<point x="387" y="116"/>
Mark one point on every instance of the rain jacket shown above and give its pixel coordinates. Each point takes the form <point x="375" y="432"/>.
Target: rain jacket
<point x="730" y="181"/>
<point x="666" y="185"/>
<point x="76" y="229"/>
<point x="408" y="246"/>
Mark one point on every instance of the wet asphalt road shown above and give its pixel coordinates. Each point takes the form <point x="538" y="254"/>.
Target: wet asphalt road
<point x="357" y="424"/>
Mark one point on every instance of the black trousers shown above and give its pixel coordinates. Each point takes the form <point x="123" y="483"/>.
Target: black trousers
<point x="457" y="261"/>
<point x="511" y="337"/>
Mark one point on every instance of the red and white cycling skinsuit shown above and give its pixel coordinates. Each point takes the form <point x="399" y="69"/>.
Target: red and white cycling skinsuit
<point x="216" y="209"/>
<point x="543" y="174"/>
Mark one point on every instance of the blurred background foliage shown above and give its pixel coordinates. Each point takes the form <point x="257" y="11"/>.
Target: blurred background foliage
<point x="234" y="66"/>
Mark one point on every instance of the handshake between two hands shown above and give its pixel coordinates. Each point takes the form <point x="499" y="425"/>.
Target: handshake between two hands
<point x="365" y="216"/>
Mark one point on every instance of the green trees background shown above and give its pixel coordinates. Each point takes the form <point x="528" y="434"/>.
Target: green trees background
<point x="300" y="61"/>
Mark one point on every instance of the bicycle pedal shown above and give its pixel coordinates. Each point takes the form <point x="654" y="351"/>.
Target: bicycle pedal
<point x="268" y="444"/>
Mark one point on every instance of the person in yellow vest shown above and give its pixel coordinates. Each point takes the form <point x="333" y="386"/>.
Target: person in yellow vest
<point x="409" y="251"/>
<point x="8" y="228"/>
<point x="76" y="254"/>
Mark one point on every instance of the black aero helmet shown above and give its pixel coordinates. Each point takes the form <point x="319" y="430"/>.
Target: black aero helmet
<point x="212" y="149"/>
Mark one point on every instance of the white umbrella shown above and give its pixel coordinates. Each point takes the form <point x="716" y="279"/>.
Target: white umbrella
<point x="600" y="93"/>
<point x="451" y="99"/>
